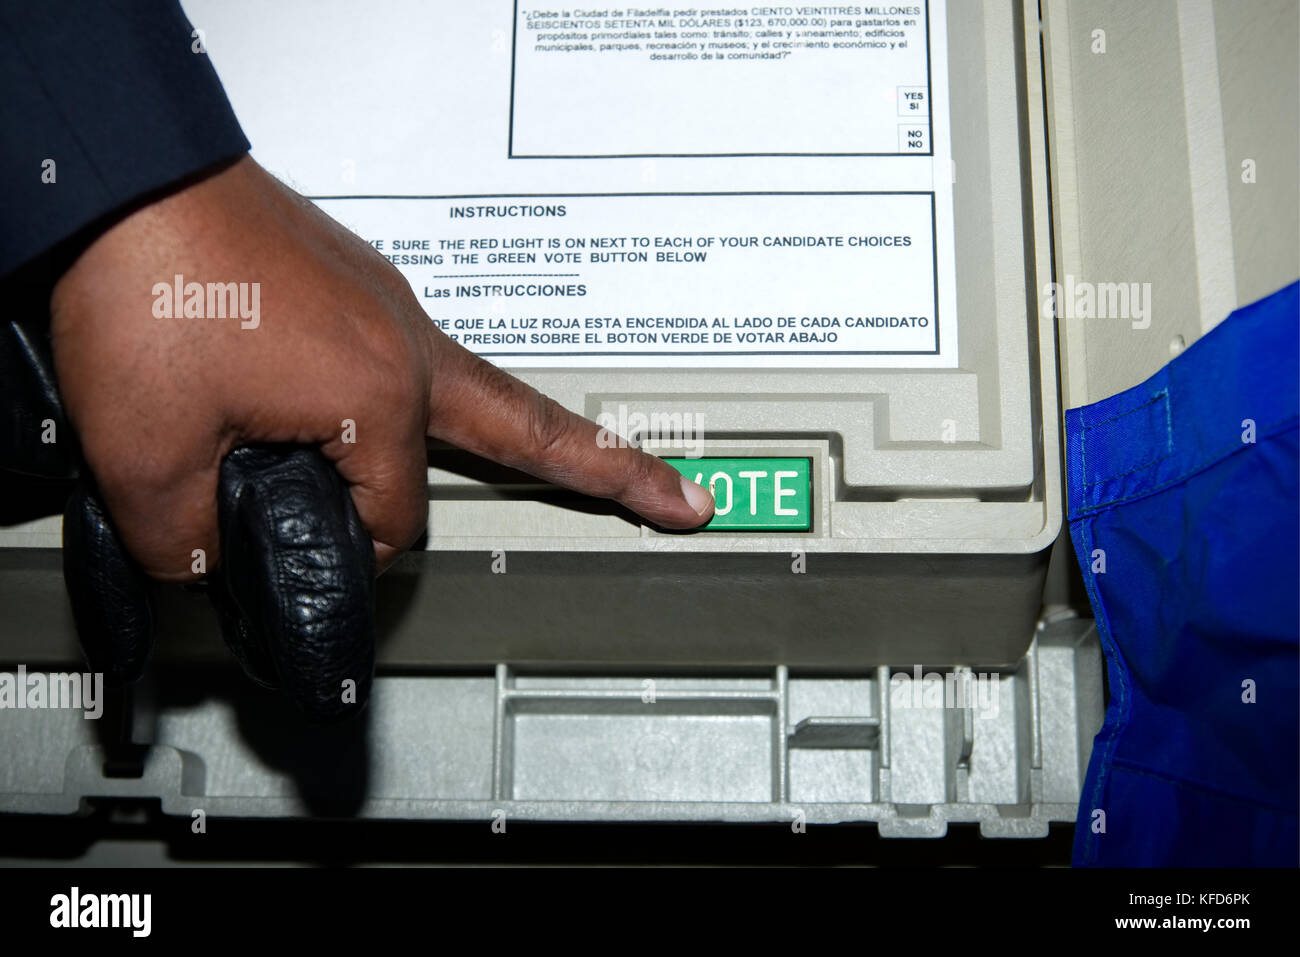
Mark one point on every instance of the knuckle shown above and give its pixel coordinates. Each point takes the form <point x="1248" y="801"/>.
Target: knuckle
<point x="547" y="424"/>
<point x="481" y="378"/>
<point x="639" y="474"/>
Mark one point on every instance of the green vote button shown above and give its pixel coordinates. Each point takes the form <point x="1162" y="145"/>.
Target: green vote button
<point x="754" y="494"/>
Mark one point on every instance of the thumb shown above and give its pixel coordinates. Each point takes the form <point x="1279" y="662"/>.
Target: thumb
<point x="386" y="464"/>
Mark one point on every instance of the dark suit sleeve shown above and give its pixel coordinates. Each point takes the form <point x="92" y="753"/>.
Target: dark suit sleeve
<point x="114" y="94"/>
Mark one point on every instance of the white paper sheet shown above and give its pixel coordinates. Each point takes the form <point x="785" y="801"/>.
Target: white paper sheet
<point x="590" y="185"/>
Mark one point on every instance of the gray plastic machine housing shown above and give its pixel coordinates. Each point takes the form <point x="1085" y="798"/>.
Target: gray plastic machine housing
<point x="770" y="692"/>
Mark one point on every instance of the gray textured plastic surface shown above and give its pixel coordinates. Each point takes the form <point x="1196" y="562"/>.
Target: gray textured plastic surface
<point x="921" y="548"/>
<point x="774" y="747"/>
<point x="1174" y="154"/>
<point x="937" y="492"/>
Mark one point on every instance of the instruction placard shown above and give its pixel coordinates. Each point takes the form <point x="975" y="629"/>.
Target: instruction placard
<point x="603" y="186"/>
<point x="721" y="275"/>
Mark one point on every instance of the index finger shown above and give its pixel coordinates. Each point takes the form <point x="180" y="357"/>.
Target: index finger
<point x="479" y="408"/>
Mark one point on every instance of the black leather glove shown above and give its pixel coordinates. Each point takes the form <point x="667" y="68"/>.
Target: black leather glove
<point x="295" y="590"/>
<point x="29" y="398"/>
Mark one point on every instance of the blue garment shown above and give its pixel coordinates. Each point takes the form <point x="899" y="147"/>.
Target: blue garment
<point x="101" y="105"/>
<point x="1197" y="526"/>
